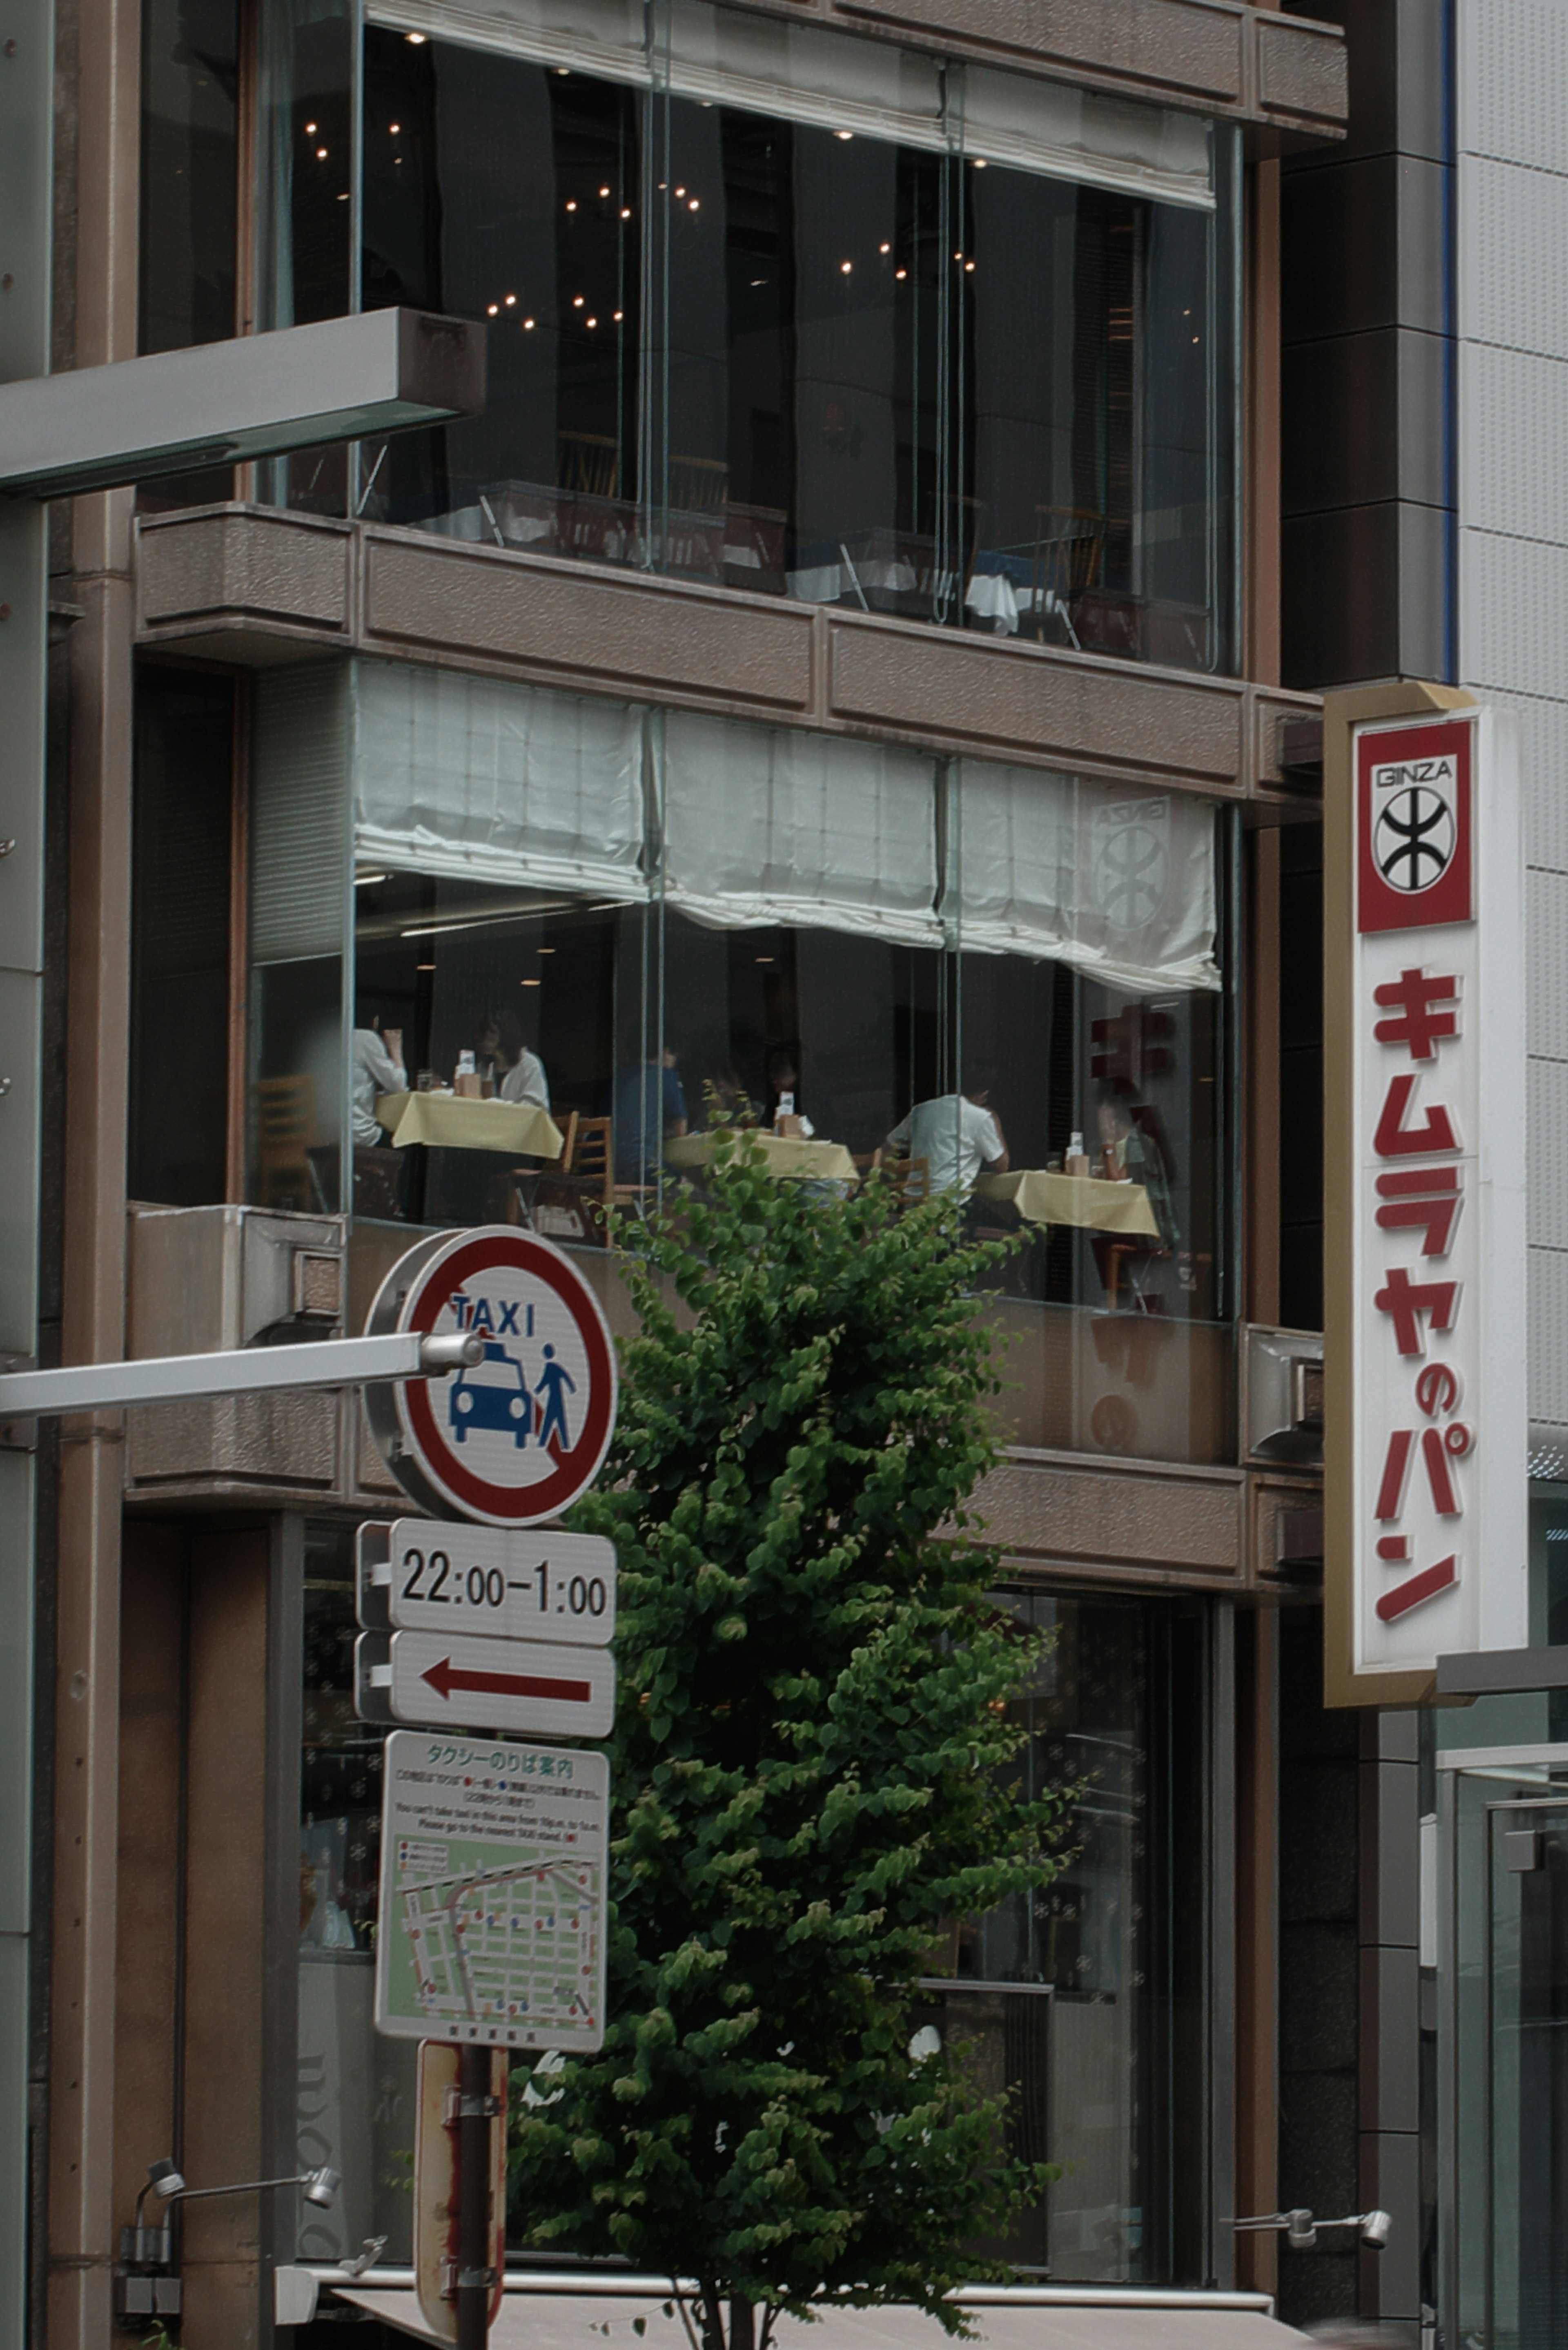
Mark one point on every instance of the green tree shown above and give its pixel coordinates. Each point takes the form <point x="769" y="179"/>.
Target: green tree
<point x="811" y="1769"/>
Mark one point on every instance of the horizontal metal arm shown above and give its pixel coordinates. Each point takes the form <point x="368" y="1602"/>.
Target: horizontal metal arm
<point x="239" y="1370"/>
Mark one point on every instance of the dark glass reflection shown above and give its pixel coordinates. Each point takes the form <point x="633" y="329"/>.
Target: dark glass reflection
<point x="188" y="153"/>
<point x="778" y="357"/>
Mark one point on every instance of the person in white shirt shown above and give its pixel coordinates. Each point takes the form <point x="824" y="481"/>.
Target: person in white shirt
<point x="377" y="1055"/>
<point x="955" y="1134"/>
<point x="519" y="1074"/>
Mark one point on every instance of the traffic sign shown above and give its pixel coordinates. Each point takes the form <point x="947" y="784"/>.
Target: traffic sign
<point x="493" y="1892"/>
<point x="514" y="1438"/>
<point x="419" y="1577"/>
<point x="504" y="1685"/>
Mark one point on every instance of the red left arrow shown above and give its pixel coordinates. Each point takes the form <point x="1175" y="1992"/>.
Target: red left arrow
<point x="445" y="1677"/>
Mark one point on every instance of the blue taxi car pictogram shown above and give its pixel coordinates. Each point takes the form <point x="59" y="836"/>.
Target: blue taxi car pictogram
<point x="492" y="1394"/>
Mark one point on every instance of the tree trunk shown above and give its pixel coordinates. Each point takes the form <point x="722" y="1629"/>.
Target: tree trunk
<point x="743" y="2326"/>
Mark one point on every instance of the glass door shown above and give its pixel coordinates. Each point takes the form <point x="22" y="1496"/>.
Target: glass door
<point x="1505" y="2026"/>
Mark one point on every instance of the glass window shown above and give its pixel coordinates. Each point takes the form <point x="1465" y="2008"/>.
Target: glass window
<point x="180" y="939"/>
<point x="786" y="311"/>
<point x="188" y="156"/>
<point x="1115" y="1709"/>
<point x="1000" y="983"/>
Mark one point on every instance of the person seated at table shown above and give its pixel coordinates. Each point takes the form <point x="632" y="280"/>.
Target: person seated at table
<point x="518" y="1074"/>
<point x="955" y="1134"/>
<point x="784" y="1091"/>
<point x="648" y="1107"/>
<point x="377" y="1056"/>
<point x="1129" y="1155"/>
<point x="725" y="1101"/>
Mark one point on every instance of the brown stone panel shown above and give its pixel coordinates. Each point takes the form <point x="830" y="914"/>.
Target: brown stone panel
<point x="287" y="1441"/>
<point x="253" y="562"/>
<point x="1105" y="1517"/>
<point x="1299" y="73"/>
<point x="147" y="1925"/>
<point x="225" y="1925"/>
<point x="1096" y="717"/>
<point x="1287" y="1532"/>
<point x="564" y="624"/>
<point x="1196" y="50"/>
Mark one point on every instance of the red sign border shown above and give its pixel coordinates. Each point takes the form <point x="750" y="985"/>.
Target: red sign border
<point x="497" y="1504"/>
<point x="1451" y="898"/>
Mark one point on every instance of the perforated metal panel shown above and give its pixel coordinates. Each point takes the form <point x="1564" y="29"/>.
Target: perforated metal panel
<point x="1547" y="1152"/>
<point x="1514" y="80"/>
<point x="1543" y="771"/>
<point x="1546" y="964"/>
<point x="1510" y="390"/>
<point x="1514" y="594"/>
<point x="1513" y="229"/>
<point x="1547" y="1313"/>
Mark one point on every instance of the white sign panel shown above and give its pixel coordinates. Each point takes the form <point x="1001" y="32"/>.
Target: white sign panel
<point x="527" y="1685"/>
<point x="1440" y="1553"/>
<point x="512" y="1440"/>
<point x="493" y="1893"/>
<point x="448" y="1578"/>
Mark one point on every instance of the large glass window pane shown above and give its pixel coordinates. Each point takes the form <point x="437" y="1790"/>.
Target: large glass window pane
<point x="1116" y="1712"/>
<point x="789" y="312"/>
<point x="180" y="938"/>
<point x="503" y="189"/>
<point x="188" y="154"/>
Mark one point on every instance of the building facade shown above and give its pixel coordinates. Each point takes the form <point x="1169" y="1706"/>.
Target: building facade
<point x="839" y="673"/>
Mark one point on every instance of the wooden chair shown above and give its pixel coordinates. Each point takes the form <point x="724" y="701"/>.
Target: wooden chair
<point x="1069" y="554"/>
<point x="589" y="461"/>
<point x="910" y="1179"/>
<point x="572" y="1198"/>
<point x="514" y="1194"/>
<point x="284" y="1109"/>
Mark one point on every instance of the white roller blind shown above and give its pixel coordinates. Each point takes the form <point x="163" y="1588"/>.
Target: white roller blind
<point x="488" y="781"/>
<point x="1086" y="135"/>
<point x="764" y="825"/>
<point x="804" y="73"/>
<point x="1120" y="884"/>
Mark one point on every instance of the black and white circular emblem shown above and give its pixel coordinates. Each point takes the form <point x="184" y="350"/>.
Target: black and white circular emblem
<point x="1132" y="867"/>
<point x="1413" y="837"/>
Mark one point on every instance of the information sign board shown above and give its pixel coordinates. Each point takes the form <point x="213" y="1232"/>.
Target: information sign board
<point x="512" y="1440"/>
<point x="493" y="1893"/>
<point x="423" y="1576"/>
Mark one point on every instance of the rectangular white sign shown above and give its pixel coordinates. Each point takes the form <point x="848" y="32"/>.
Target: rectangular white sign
<point x="503" y="1685"/>
<point x="426" y="1575"/>
<point x="493" y="1893"/>
<point x="1437" y="1232"/>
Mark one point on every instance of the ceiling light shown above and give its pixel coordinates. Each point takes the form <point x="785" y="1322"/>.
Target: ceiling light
<point x="625" y="212"/>
<point x="321" y="154"/>
<point x="604" y="192"/>
<point x="900" y="273"/>
<point x="980" y="162"/>
<point x="533" y="983"/>
<point x="416" y="38"/>
<point x="693" y="205"/>
<point x="764" y="958"/>
<point x="571" y="207"/>
<point x="844" y="134"/>
<point x="494" y="310"/>
<point x="512" y="301"/>
<point x="544" y="949"/>
<point x="884" y="248"/>
<point x="362" y="879"/>
<point x="393" y="126"/>
<point x="424" y="966"/>
<point x="593" y="322"/>
<point x="527" y="322"/>
<point x="969" y="264"/>
<point x="845" y="267"/>
<point x="681" y="191"/>
<point x="579" y="301"/>
<point x="618" y="316"/>
<point x="310" y="133"/>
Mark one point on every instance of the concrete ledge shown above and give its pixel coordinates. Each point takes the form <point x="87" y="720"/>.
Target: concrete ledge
<point x="255" y="586"/>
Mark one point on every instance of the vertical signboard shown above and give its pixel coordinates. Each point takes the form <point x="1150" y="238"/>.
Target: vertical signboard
<point x="1425" y="1144"/>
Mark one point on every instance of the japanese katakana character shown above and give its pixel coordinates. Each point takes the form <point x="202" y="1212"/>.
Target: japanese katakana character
<point x="1438" y="1215"/>
<point x="1394" y="1139"/>
<point x="1406" y="1301"/>
<point x="1420" y="1027"/>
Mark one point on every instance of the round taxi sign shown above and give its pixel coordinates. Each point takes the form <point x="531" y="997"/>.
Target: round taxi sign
<point x="514" y="1438"/>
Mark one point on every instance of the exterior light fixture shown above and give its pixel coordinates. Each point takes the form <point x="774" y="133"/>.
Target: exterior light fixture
<point x="415" y="40"/>
<point x="145" y="2283"/>
<point x="1299" y="2229"/>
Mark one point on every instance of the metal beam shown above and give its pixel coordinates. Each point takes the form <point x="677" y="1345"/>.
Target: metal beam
<point x="237" y="1370"/>
<point x="1492" y="1672"/>
<point x="343" y="379"/>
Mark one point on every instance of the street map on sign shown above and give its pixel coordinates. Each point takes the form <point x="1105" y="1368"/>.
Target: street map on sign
<point x="493" y="1893"/>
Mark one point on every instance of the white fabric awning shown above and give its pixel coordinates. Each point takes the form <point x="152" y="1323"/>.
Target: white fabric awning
<point x="545" y="2317"/>
<point x="484" y="780"/>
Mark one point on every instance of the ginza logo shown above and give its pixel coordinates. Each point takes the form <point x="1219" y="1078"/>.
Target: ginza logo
<point x="1414" y="833"/>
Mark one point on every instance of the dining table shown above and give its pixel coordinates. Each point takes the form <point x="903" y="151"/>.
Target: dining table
<point x="461" y="1122"/>
<point x="1042" y="1196"/>
<point x="784" y="1155"/>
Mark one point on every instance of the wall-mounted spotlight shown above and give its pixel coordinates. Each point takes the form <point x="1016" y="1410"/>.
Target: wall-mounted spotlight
<point x="146" y="2282"/>
<point x="1299" y="2229"/>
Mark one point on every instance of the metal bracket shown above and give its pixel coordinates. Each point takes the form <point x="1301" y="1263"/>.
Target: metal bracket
<point x="456" y="2106"/>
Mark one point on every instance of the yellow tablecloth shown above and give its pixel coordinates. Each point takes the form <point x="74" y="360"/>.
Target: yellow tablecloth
<point x="1042" y="1198"/>
<point x="458" y="1122"/>
<point x="780" y="1154"/>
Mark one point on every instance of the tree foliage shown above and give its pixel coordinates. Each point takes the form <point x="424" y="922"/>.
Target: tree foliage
<point x="810" y="1767"/>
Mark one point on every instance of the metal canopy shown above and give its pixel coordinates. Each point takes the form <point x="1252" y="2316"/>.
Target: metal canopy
<point x="343" y="379"/>
<point x="1497" y="1672"/>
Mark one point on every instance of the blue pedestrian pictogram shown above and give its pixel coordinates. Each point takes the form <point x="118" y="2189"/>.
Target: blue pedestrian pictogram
<point x="554" y="1379"/>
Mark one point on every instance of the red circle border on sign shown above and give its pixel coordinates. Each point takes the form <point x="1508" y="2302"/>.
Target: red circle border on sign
<point x="504" y="1504"/>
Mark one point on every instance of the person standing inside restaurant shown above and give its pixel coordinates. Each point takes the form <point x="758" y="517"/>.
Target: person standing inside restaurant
<point x="377" y="1055"/>
<point x="650" y="1109"/>
<point x="955" y="1134"/>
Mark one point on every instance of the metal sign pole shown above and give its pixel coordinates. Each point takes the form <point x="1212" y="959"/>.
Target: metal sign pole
<point x="474" y="2275"/>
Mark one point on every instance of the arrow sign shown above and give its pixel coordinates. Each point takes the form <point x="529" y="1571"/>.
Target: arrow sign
<point x="446" y="1676"/>
<point x="503" y="1685"/>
